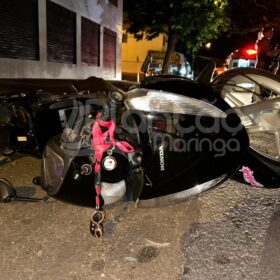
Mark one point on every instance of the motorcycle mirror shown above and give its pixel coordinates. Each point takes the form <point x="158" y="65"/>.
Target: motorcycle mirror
<point x="206" y="75"/>
<point x="7" y="192"/>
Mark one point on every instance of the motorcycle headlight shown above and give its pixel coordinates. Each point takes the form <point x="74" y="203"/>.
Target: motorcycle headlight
<point x="167" y="102"/>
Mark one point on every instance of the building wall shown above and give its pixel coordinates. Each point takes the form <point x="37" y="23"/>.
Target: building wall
<point x="102" y="12"/>
<point x="134" y="53"/>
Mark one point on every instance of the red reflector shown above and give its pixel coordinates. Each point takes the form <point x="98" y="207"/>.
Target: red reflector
<point x="160" y="124"/>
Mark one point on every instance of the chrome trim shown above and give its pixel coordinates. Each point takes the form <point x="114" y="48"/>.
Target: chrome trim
<point x="180" y="196"/>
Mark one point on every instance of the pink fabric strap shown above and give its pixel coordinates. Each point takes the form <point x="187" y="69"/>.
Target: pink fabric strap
<point x="101" y="142"/>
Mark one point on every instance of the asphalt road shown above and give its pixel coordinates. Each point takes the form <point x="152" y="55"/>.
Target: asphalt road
<point x="229" y="232"/>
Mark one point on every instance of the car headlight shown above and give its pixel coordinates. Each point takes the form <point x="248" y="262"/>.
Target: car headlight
<point x="167" y="102"/>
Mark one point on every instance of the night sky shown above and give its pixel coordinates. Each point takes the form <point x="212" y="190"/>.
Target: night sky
<point x="226" y="43"/>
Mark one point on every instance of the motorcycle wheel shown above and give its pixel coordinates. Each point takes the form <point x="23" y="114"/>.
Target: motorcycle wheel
<point x="255" y="96"/>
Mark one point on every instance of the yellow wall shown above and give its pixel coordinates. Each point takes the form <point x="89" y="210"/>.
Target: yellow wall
<point x="133" y="49"/>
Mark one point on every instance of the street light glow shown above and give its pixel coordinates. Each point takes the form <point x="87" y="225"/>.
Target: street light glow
<point x="208" y="45"/>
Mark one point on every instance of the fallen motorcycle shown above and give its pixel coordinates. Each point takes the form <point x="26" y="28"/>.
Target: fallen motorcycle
<point x="157" y="144"/>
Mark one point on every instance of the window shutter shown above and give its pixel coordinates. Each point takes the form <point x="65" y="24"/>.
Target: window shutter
<point x="90" y="44"/>
<point x="109" y="49"/>
<point x="19" y="35"/>
<point x="61" y="34"/>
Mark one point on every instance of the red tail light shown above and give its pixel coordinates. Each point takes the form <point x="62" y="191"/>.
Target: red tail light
<point x="251" y="52"/>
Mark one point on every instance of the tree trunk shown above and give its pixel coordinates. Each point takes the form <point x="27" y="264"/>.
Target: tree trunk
<point x="172" y="40"/>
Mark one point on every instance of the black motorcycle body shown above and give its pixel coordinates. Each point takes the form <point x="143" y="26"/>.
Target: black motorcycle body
<point x="174" y="157"/>
<point x="187" y="139"/>
<point x="34" y="110"/>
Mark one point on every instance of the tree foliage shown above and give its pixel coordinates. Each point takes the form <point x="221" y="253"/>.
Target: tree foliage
<point x="251" y="15"/>
<point x="194" y="22"/>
